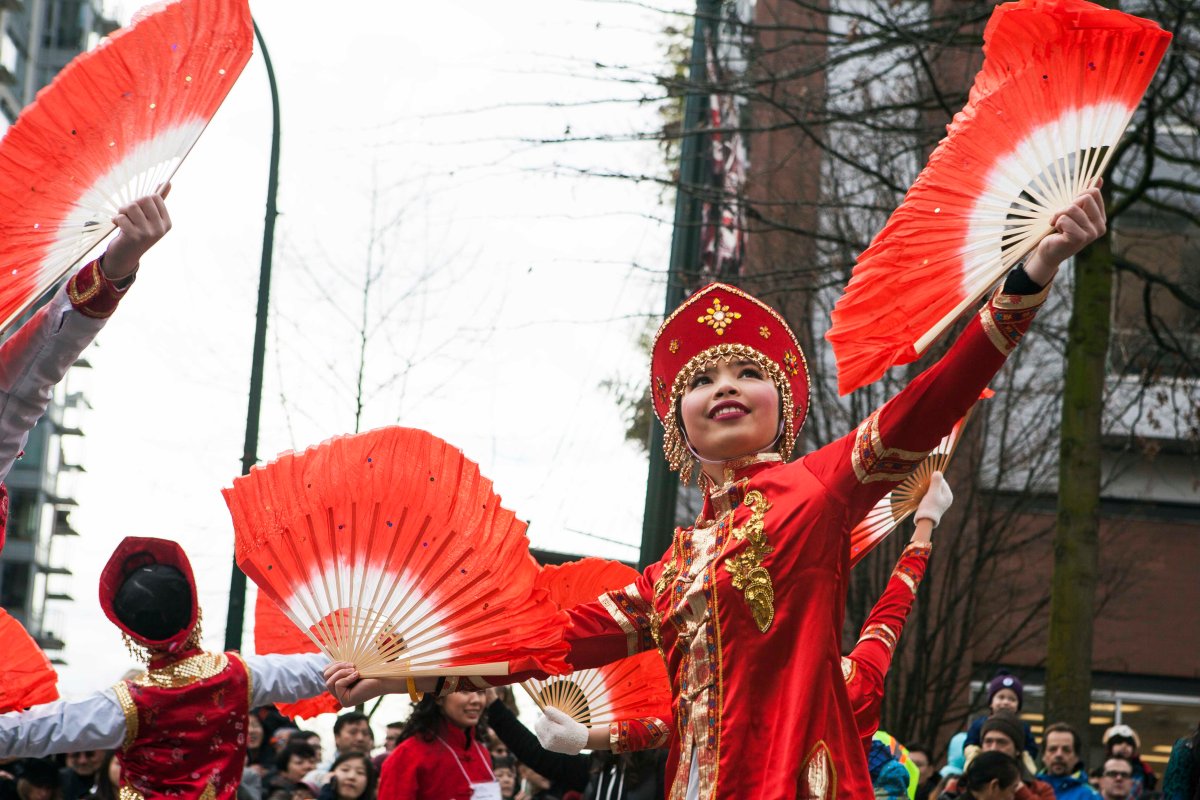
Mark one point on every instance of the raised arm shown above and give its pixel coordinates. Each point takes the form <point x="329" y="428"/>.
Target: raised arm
<point x="867" y="665"/>
<point x="861" y="467"/>
<point x="35" y="358"/>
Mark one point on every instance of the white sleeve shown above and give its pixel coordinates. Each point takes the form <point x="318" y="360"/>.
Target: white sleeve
<point x="96" y="722"/>
<point x="32" y="361"/>
<point x="285" y="678"/>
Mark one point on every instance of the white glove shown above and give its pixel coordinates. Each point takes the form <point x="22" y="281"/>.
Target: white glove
<point x="936" y="500"/>
<point x="558" y="733"/>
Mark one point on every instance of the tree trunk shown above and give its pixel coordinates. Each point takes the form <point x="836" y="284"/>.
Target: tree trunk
<point x="1076" y="552"/>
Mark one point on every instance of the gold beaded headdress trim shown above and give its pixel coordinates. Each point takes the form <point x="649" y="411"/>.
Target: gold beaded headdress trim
<point x="675" y="445"/>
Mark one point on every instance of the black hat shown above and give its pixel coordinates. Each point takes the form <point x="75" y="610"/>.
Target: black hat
<point x="39" y="772"/>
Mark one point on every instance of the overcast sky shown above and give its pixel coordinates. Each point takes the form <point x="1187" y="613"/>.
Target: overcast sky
<point x="512" y="286"/>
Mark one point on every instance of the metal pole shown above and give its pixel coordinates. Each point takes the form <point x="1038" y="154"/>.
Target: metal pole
<point x="662" y="487"/>
<point x="237" y="582"/>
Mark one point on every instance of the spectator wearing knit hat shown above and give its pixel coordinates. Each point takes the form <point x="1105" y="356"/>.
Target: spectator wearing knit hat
<point x="1003" y="732"/>
<point x="1122" y="741"/>
<point x="1005" y="692"/>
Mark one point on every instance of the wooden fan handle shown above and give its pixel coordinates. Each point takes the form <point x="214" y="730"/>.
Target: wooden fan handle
<point x="399" y="671"/>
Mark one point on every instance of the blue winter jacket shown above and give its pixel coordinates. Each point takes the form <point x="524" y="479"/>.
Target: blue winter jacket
<point x="1070" y="787"/>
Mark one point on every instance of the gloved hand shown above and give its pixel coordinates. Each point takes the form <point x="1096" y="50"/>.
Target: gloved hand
<point x="936" y="500"/>
<point x="558" y="733"/>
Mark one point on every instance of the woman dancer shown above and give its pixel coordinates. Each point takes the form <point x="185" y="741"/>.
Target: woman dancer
<point x="747" y="606"/>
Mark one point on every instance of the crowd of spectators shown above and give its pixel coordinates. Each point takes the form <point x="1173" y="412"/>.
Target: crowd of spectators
<point x="479" y="736"/>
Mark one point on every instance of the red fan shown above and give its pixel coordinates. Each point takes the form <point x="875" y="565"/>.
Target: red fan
<point x="896" y="506"/>
<point x="389" y="550"/>
<point x="1060" y="82"/>
<point x="633" y="687"/>
<point x="26" y="679"/>
<point x="275" y="633"/>
<point x="113" y="126"/>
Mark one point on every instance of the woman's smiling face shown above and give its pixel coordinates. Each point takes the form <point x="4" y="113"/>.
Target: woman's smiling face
<point x="730" y="409"/>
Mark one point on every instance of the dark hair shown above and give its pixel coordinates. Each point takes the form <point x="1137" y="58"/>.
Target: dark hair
<point x="297" y="749"/>
<point x="395" y="725"/>
<point x="1062" y="727"/>
<point x="1107" y="759"/>
<point x="504" y="762"/>
<point x="368" y="765"/>
<point x="104" y="787"/>
<point x="426" y="719"/>
<point x="154" y="601"/>
<point x="918" y="747"/>
<point x="991" y="766"/>
<point x="348" y="718"/>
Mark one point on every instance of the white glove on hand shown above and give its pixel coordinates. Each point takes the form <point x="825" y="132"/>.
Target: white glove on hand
<point x="558" y="733"/>
<point x="936" y="500"/>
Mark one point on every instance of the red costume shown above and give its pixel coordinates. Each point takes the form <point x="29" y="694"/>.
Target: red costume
<point x="864" y="669"/>
<point x="185" y="718"/>
<point x="747" y="606"/>
<point x="441" y="769"/>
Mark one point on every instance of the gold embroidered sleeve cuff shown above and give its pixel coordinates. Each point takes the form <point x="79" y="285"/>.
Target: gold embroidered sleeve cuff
<point x="93" y="294"/>
<point x="880" y="633"/>
<point x="631" y="612"/>
<point x="1006" y="317"/>
<point x="874" y="461"/>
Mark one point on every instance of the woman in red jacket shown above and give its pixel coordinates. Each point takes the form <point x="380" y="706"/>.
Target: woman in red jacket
<point x="439" y="756"/>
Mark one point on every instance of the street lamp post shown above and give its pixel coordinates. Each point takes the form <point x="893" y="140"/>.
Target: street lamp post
<point x="237" y="582"/>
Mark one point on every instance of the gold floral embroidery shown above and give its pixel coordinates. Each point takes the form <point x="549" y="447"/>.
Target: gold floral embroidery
<point x="209" y="793"/>
<point x="129" y="793"/>
<point x="749" y="575"/>
<point x="718" y="317"/>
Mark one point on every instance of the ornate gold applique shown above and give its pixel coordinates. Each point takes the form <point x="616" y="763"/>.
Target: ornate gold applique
<point x="184" y="672"/>
<point x="209" y="793"/>
<point x="818" y="777"/>
<point x="127" y="792"/>
<point x="672" y="569"/>
<point x="718" y="317"/>
<point x="749" y="575"/>
<point x="129" y="709"/>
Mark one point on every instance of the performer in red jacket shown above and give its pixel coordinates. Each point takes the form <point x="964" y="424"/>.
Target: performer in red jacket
<point x="864" y="668"/>
<point x="747" y="606"/>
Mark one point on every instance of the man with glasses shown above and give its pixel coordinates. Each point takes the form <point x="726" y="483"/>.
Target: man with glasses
<point x="1116" y="782"/>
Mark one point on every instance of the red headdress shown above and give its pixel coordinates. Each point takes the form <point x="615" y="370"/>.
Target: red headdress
<point x="133" y="553"/>
<point x="719" y="323"/>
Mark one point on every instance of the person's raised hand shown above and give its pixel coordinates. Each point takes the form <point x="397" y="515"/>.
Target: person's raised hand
<point x="937" y="499"/>
<point x="1075" y="227"/>
<point x="558" y="733"/>
<point x="141" y="224"/>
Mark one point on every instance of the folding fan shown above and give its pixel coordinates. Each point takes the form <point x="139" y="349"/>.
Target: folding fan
<point x="113" y="126"/>
<point x="896" y="506"/>
<point x="275" y="633"/>
<point x="1060" y="82"/>
<point x="633" y="687"/>
<point x="26" y="677"/>
<point x="390" y="551"/>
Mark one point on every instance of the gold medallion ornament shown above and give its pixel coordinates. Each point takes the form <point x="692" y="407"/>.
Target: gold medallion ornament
<point x="749" y="575"/>
<point x="718" y="317"/>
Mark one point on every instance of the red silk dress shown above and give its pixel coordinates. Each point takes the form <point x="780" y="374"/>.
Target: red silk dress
<point x="864" y="669"/>
<point x="185" y="728"/>
<point x="747" y="606"/>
